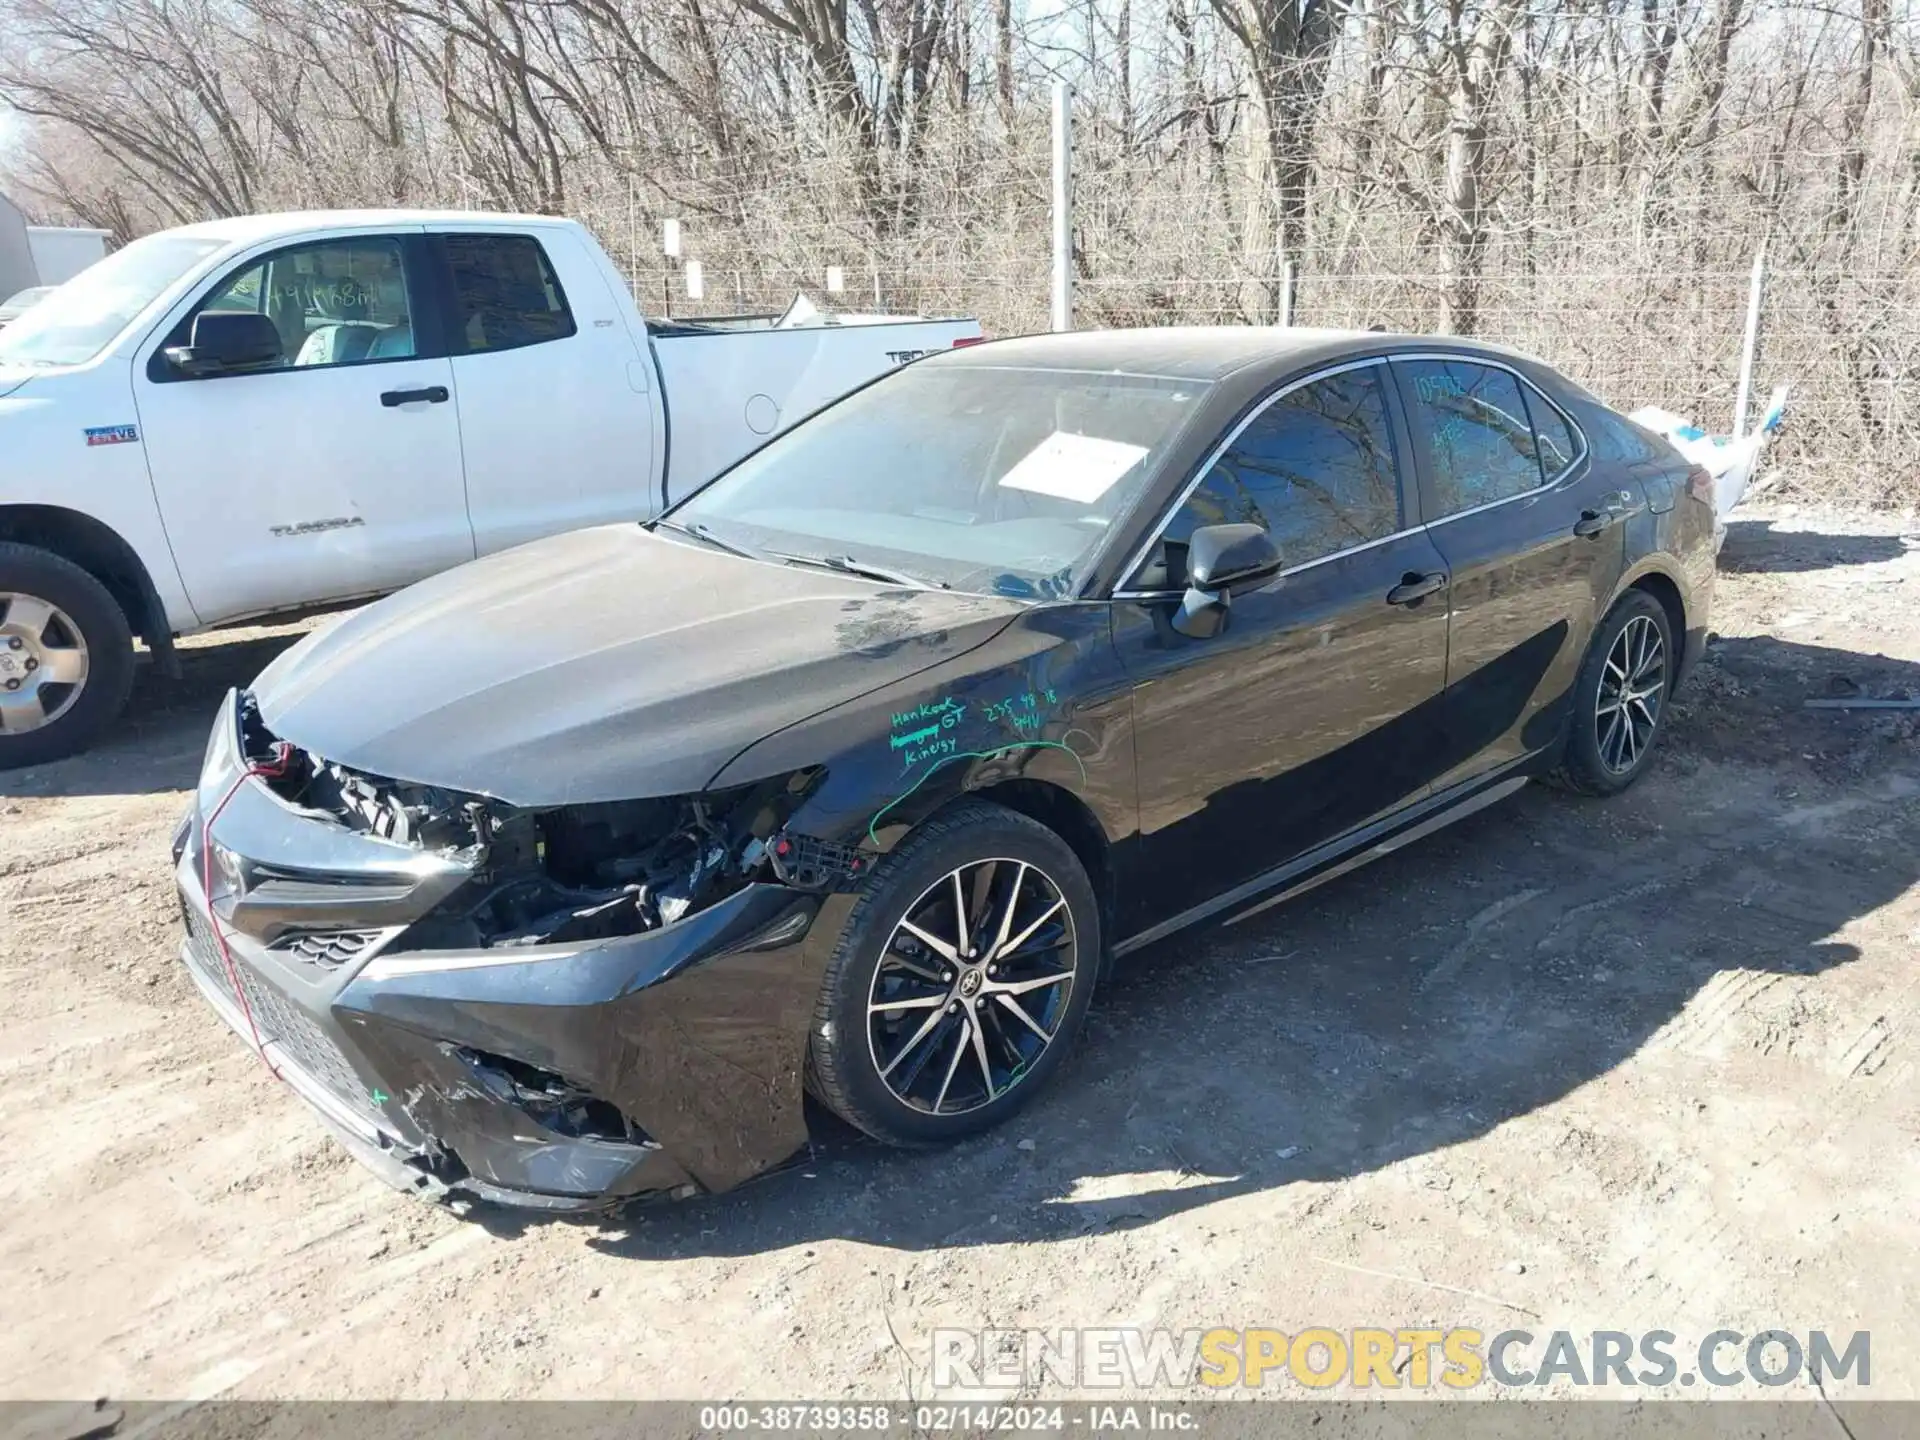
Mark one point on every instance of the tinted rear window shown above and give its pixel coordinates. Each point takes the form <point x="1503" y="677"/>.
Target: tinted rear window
<point x="505" y="294"/>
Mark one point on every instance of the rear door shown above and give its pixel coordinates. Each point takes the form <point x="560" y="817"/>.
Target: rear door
<point x="556" y="435"/>
<point x="331" y="471"/>
<point x="1316" y="710"/>
<point x="1534" y="540"/>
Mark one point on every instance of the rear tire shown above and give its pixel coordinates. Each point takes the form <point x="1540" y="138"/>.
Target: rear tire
<point x="920" y="1042"/>
<point x="55" y="618"/>
<point x="1619" y="699"/>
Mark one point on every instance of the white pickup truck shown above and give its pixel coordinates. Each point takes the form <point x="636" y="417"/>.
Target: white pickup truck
<point x="276" y="412"/>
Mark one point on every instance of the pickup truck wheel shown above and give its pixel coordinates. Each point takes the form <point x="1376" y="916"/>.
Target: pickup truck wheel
<point x="66" y="657"/>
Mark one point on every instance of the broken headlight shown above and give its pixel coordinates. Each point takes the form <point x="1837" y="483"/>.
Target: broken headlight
<point x="592" y="872"/>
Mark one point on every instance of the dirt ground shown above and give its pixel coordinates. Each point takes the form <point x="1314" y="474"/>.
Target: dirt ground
<point x="1647" y="1063"/>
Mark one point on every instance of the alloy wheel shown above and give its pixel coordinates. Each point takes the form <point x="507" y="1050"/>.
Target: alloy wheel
<point x="43" y="662"/>
<point x="972" y="987"/>
<point x="1632" y="686"/>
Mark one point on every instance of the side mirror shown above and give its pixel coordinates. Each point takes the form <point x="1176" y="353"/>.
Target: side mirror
<point x="1230" y="557"/>
<point x="224" y="342"/>
<point x="1220" y="560"/>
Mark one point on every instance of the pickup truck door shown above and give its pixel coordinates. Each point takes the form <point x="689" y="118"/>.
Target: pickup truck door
<point x="555" y="415"/>
<point x="332" y="470"/>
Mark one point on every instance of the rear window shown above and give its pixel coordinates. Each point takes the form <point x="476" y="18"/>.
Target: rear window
<point x="1618" y="440"/>
<point x="1552" y="432"/>
<point x="505" y="294"/>
<point x="1479" y="440"/>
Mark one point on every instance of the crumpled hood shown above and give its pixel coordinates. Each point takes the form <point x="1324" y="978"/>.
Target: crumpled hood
<point x="608" y="664"/>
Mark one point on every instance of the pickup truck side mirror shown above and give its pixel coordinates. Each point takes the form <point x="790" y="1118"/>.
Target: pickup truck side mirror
<point x="224" y="342"/>
<point x="1222" y="559"/>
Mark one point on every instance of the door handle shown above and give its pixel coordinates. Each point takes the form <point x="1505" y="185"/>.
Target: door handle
<point x="433" y="395"/>
<point x="1603" y="518"/>
<point x="1415" y="587"/>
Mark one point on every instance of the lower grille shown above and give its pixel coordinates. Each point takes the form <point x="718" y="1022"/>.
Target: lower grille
<point x="278" y="1018"/>
<point x="327" y="950"/>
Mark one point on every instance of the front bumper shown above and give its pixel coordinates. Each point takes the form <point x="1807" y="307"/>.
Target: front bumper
<point x="696" y="1031"/>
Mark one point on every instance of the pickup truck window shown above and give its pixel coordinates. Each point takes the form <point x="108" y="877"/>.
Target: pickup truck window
<point x="1004" y="480"/>
<point x="333" y="302"/>
<point x="505" y="294"/>
<point x="85" y="315"/>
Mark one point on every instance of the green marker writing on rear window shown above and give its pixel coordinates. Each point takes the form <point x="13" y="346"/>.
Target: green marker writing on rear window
<point x="380" y="1096"/>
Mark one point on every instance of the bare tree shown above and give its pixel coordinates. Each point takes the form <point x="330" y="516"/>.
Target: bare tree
<point x="1589" y="179"/>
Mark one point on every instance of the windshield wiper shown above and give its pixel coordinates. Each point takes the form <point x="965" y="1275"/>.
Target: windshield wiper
<point x="700" y="531"/>
<point x="847" y="565"/>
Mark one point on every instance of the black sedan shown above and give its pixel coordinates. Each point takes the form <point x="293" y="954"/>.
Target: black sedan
<point x="563" y="877"/>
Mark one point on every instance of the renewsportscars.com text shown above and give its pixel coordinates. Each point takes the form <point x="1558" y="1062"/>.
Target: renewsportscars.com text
<point x="1367" y="1358"/>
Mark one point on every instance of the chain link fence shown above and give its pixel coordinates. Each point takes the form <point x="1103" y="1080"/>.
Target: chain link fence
<point x="1643" y="303"/>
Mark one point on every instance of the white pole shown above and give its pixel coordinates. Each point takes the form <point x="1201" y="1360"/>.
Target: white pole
<point x="1286" y="292"/>
<point x="1750" y="346"/>
<point x="1062" y="205"/>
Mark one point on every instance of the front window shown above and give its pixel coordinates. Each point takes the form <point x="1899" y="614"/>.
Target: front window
<point x="1314" y="469"/>
<point x="333" y="302"/>
<point x="84" y="316"/>
<point x="983" y="478"/>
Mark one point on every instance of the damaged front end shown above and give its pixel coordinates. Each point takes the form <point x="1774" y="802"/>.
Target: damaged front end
<point x="544" y="876"/>
<point x="558" y="1006"/>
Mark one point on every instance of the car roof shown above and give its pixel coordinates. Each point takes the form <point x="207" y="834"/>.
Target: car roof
<point x="1198" y="352"/>
<point x="248" y="229"/>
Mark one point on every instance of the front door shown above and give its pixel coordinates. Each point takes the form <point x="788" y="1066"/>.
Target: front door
<point x="1533" y="539"/>
<point x="328" y="472"/>
<point x="1315" y="711"/>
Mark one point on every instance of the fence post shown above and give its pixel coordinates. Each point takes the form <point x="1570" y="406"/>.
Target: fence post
<point x="1750" y="346"/>
<point x="1062" y="205"/>
<point x="1287" y="274"/>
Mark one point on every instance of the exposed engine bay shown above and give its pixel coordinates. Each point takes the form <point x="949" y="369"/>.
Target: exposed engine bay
<point x="551" y="876"/>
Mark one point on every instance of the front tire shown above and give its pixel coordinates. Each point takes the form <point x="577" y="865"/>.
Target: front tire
<point x="1619" y="699"/>
<point x="960" y="981"/>
<point x="66" y="657"/>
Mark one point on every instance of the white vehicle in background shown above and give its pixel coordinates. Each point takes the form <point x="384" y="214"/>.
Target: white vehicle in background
<point x="61" y="252"/>
<point x="276" y="412"/>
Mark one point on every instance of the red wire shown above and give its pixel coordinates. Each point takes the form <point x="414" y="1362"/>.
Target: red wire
<point x="277" y="767"/>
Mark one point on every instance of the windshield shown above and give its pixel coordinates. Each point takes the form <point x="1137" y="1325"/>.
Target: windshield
<point x="976" y="477"/>
<point x="85" y="315"/>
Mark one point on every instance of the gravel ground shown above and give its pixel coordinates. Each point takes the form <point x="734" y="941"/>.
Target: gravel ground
<point x="1646" y="1063"/>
